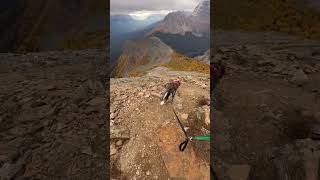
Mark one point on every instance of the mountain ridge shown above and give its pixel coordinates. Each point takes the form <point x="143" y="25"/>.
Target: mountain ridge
<point x="178" y="33"/>
<point x="141" y="55"/>
<point x="180" y="22"/>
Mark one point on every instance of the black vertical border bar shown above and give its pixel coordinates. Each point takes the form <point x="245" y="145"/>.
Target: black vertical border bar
<point x="213" y="175"/>
<point x="211" y="95"/>
<point x="107" y="93"/>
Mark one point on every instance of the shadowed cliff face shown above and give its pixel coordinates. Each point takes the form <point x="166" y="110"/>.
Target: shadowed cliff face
<point x="286" y="16"/>
<point x="9" y="11"/>
<point x="53" y="25"/>
<point x="312" y="4"/>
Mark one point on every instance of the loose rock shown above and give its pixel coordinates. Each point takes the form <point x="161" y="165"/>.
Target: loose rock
<point x="113" y="150"/>
<point x="300" y="78"/>
<point x="119" y="143"/>
<point x="239" y="172"/>
<point x="184" y="116"/>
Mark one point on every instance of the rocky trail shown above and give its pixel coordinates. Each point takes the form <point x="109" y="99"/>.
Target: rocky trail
<point x="267" y="118"/>
<point x="52" y="115"/>
<point x="137" y="118"/>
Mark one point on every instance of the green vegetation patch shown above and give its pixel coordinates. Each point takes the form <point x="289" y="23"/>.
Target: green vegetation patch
<point x="182" y="63"/>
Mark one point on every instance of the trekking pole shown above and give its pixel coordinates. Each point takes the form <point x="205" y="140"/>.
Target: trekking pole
<point x="184" y="144"/>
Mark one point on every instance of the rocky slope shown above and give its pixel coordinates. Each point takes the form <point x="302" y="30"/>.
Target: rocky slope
<point x="174" y="23"/>
<point x="136" y="117"/>
<point x="185" y="33"/>
<point x="311" y="4"/>
<point x="144" y="54"/>
<point x="124" y="28"/>
<point x="202" y="9"/>
<point x="52" y="25"/>
<point x="141" y="55"/>
<point x="201" y="18"/>
<point x="274" y="15"/>
<point x="52" y="115"/>
<point x="205" y="57"/>
<point x="267" y="106"/>
<point x="8" y="14"/>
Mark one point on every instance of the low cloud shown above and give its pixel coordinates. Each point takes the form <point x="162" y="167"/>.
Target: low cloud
<point x="131" y="6"/>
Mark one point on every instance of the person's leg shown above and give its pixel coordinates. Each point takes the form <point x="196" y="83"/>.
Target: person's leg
<point x="173" y="95"/>
<point x="165" y="96"/>
<point x="168" y="94"/>
<point x="214" y="83"/>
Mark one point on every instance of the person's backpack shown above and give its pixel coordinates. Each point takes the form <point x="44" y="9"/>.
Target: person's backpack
<point x="217" y="70"/>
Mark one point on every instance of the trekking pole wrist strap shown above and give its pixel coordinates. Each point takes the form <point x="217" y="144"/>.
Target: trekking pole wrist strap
<point x="201" y="138"/>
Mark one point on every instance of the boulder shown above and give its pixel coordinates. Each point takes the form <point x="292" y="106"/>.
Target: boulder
<point x="239" y="172"/>
<point x="184" y="116"/>
<point x="155" y="94"/>
<point x="203" y="115"/>
<point x="113" y="115"/>
<point x="113" y="150"/>
<point x="97" y="101"/>
<point x="179" y="106"/>
<point x="299" y="160"/>
<point x="119" y="142"/>
<point x="117" y="132"/>
<point x="266" y="62"/>
<point x="317" y="116"/>
<point x="299" y="78"/>
<point x="207" y="115"/>
<point x="315" y="131"/>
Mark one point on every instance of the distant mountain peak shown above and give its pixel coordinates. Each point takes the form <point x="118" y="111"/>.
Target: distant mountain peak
<point x="202" y="9"/>
<point x="181" y="22"/>
<point x="205" y="57"/>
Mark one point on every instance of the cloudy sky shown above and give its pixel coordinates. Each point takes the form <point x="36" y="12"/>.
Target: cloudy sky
<point x="142" y="8"/>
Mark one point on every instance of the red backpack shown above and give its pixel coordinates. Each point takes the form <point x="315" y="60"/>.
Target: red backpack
<point x="176" y="83"/>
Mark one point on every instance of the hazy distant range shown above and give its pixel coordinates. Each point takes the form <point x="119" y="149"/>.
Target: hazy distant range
<point x="124" y="27"/>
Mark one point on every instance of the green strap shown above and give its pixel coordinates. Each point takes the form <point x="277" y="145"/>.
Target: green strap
<point x="202" y="138"/>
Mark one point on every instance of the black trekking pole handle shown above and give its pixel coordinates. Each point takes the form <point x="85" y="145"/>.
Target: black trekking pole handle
<point x="183" y="145"/>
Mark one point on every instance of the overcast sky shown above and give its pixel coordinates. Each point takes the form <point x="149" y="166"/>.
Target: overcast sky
<point x="152" y="6"/>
